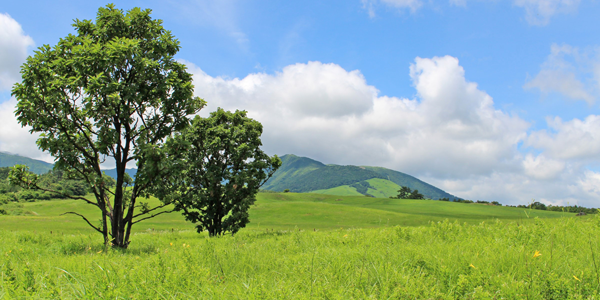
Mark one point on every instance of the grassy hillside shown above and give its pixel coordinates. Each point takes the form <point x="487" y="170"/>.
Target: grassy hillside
<point x="376" y="187"/>
<point x="382" y="188"/>
<point x="342" y="190"/>
<point x="301" y="175"/>
<point x="402" y="179"/>
<point x="35" y="166"/>
<point x="284" y="211"/>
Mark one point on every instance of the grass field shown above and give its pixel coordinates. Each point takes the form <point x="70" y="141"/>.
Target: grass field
<point x="286" y="211"/>
<point x="542" y="259"/>
<point x="309" y="246"/>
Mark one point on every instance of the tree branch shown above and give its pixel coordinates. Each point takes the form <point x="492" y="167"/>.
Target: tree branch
<point x="158" y="207"/>
<point x="84" y="218"/>
<point x="152" y="216"/>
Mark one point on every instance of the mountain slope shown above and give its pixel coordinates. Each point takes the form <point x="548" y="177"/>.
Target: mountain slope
<point x="301" y="175"/>
<point x="35" y="166"/>
<point x="292" y="167"/>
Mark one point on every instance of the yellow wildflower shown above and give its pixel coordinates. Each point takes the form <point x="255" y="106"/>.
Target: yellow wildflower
<point x="536" y="254"/>
<point x="345" y="235"/>
<point x="576" y="278"/>
<point x="472" y="266"/>
<point x="99" y="251"/>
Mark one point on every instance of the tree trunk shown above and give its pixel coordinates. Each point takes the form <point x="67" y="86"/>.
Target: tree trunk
<point x="118" y="228"/>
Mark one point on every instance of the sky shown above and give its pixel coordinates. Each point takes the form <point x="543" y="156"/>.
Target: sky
<point x="491" y="100"/>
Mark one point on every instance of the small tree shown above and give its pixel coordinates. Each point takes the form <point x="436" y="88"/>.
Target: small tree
<point x="403" y="193"/>
<point x="112" y="93"/>
<point x="406" y="193"/>
<point x="416" y="195"/>
<point x="217" y="168"/>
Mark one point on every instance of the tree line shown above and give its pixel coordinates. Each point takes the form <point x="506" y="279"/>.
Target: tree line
<point x="54" y="179"/>
<point x="569" y="208"/>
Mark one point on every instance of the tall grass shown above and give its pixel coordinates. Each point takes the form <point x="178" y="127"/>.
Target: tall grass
<point x="443" y="260"/>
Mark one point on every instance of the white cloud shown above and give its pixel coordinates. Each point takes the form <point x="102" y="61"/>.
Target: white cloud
<point x="541" y="167"/>
<point x="570" y="187"/>
<point x="570" y="72"/>
<point x="539" y="12"/>
<point x="323" y="111"/>
<point x="16" y="139"/>
<point x="575" y="140"/>
<point x="565" y="83"/>
<point x="13" y="50"/>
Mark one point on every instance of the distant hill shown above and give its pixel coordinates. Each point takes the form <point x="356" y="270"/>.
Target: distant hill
<point x="41" y="167"/>
<point x="302" y="175"/>
<point x="35" y="166"/>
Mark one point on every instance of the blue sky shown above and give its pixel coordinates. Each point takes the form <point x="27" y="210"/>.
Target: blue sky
<point x="493" y="100"/>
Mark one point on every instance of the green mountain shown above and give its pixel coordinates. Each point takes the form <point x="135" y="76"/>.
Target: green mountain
<point x="302" y="175"/>
<point x="35" y="166"/>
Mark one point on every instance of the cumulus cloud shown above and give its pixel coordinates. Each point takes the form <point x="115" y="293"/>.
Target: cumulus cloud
<point x="13" y="50"/>
<point x="570" y="72"/>
<point x="451" y="130"/>
<point x="323" y="111"/>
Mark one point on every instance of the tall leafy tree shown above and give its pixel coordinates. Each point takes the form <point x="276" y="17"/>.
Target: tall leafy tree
<point x="109" y="94"/>
<point x="217" y="167"/>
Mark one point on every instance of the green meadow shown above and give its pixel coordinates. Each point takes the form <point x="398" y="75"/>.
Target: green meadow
<point x="308" y="246"/>
<point x="283" y="211"/>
